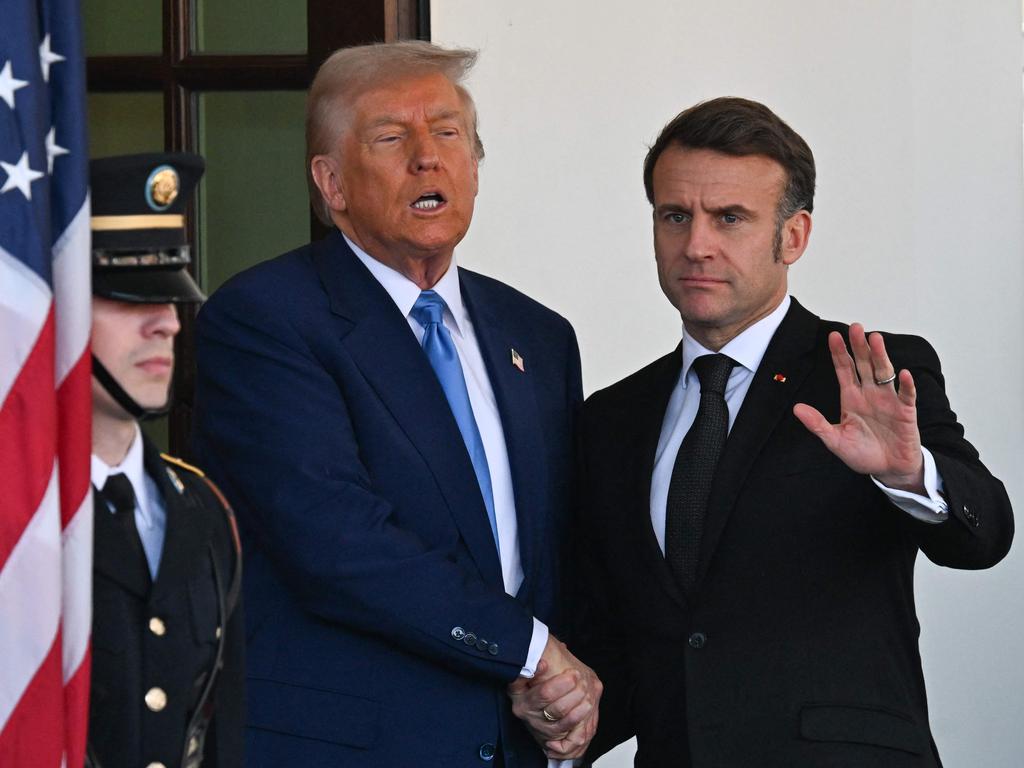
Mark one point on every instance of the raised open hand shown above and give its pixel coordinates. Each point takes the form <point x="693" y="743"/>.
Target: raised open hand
<point x="877" y="432"/>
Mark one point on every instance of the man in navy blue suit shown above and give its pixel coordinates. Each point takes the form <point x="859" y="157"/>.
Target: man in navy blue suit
<point x="395" y="434"/>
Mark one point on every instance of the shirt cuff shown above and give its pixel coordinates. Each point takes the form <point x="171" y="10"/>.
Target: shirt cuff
<point x="536" y="650"/>
<point x="563" y="763"/>
<point x="928" y="509"/>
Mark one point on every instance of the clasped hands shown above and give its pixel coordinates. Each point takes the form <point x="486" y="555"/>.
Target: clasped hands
<point x="877" y="433"/>
<point x="559" y="704"/>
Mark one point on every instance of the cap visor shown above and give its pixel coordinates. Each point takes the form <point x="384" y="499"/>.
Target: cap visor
<point x="146" y="286"/>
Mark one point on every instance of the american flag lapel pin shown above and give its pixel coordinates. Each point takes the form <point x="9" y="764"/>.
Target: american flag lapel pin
<point x="517" y="360"/>
<point x="780" y="378"/>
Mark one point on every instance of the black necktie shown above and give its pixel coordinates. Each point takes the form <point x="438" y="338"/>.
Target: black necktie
<point x="694" y="469"/>
<point x="119" y="492"/>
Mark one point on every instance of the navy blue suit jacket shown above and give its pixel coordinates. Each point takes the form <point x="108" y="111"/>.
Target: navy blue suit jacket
<point x="379" y="633"/>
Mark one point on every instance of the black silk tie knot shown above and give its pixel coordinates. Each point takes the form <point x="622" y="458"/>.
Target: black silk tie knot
<point x="694" y="470"/>
<point x="119" y="492"/>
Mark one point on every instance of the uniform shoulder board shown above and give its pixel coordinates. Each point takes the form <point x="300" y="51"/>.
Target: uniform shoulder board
<point x="229" y="517"/>
<point x="183" y="464"/>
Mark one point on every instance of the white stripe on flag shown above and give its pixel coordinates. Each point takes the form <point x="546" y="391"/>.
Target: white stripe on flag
<point x="30" y="585"/>
<point x="77" y="594"/>
<point x="24" y="304"/>
<point x="72" y="268"/>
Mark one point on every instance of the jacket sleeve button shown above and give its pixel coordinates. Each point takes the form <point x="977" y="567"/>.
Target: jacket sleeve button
<point x="469" y="639"/>
<point x="493" y="649"/>
<point x="487" y="752"/>
<point x="458" y="633"/>
<point x="698" y="640"/>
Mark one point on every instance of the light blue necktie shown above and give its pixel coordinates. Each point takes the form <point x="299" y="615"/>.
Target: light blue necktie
<point x="444" y="359"/>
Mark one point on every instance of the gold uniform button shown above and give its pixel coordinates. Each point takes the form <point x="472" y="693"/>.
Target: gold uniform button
<point x="156" y="699"/>
<point x="157" y="627"/>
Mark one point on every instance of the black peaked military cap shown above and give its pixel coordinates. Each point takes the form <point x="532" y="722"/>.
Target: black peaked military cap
<point x="139" y="250"/>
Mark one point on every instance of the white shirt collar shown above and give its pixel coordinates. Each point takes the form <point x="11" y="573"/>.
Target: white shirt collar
<point x="404" y="291"/>
<point x="747" y="348"/>
<point x="132" y="468"/>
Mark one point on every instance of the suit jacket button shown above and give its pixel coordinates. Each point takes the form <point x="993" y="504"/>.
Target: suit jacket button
<point x="487" y="752"/>
<point x="458" y="633"/>
<point x="156" y="699"/>
<point x="493" y="649"/>
<point x="157" y="626"/>
<point x="481" y="644"/>
<point x="469" y="639"/>
<point x="697" y="640"/>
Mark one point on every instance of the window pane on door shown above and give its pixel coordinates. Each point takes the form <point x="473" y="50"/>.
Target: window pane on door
<point x="125" y="123"/>
<point x="250" y="26"/>
<point x="115" y="27"/>
<point x="253" y="203"/>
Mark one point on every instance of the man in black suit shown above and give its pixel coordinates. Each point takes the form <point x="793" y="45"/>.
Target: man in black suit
<point x="167" y="644"/>
<point x="751" y="587"/>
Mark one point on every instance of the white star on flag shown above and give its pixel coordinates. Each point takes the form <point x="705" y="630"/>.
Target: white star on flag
<point x="47" y="57"/>
<point x="20" y="176"/>
<point x="52" y="149"/>
<point x="9" y="84"/>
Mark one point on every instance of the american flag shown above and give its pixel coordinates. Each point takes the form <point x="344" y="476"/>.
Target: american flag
<point x="45" y="405"/>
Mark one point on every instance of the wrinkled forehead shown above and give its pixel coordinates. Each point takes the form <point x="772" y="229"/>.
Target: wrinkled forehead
<point x="400" y="96"/>
<point x="713" y="174"/>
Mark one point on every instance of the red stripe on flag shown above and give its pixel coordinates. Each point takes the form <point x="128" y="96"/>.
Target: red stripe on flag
<point x="74" y="406"/>
<point x="32" y="735"/>
<point x="76" y="705"/>
<point x="28" y="422"/>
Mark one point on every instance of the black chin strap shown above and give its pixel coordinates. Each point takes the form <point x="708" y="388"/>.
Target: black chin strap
<point x="123" y="398"/>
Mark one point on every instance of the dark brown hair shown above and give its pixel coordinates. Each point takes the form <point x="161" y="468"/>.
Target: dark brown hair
<point x="741" y="127"/>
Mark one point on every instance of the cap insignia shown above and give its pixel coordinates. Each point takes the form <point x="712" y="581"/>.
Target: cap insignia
<point x="162" y="187"/>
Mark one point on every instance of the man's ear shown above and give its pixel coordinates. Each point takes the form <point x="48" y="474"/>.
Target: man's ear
<point x="326" y="176"/>
<point x="796" y="232"/>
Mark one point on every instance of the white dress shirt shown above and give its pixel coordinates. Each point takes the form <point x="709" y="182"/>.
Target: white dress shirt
<point x="747" y="349"/>
<point x="456" y="319"/>
<point x="150" y="512"/>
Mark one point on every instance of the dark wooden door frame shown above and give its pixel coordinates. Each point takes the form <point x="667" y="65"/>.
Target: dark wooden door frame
<point x="179" y="74"/>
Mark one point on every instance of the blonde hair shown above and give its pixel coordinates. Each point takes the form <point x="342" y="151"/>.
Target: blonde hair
<point x="349" y="72"/>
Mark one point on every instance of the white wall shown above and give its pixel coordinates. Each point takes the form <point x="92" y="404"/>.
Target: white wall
<point x="913" y="110"/>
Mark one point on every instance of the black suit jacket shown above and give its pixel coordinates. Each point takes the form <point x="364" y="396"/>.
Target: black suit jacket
<point x="800" y="646"/>
<point x="132" y="655"/>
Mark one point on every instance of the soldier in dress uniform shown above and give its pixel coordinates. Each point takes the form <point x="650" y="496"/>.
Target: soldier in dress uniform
<point x="167" y="642"/>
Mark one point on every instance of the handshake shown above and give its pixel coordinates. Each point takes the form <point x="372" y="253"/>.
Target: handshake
<point x="559" y="704"/>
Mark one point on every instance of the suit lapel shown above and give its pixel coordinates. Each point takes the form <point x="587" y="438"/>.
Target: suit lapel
<point x="498" y="333"/>
<point x="638" y="463"/>
<point x="385" y="350"/>
<point x="790" y="353"/>
<point x="186" y="531"/>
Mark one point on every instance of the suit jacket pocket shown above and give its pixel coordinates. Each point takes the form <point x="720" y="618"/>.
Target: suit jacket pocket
<point x="862" y="725"/>
<point x="311" y="713"/>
